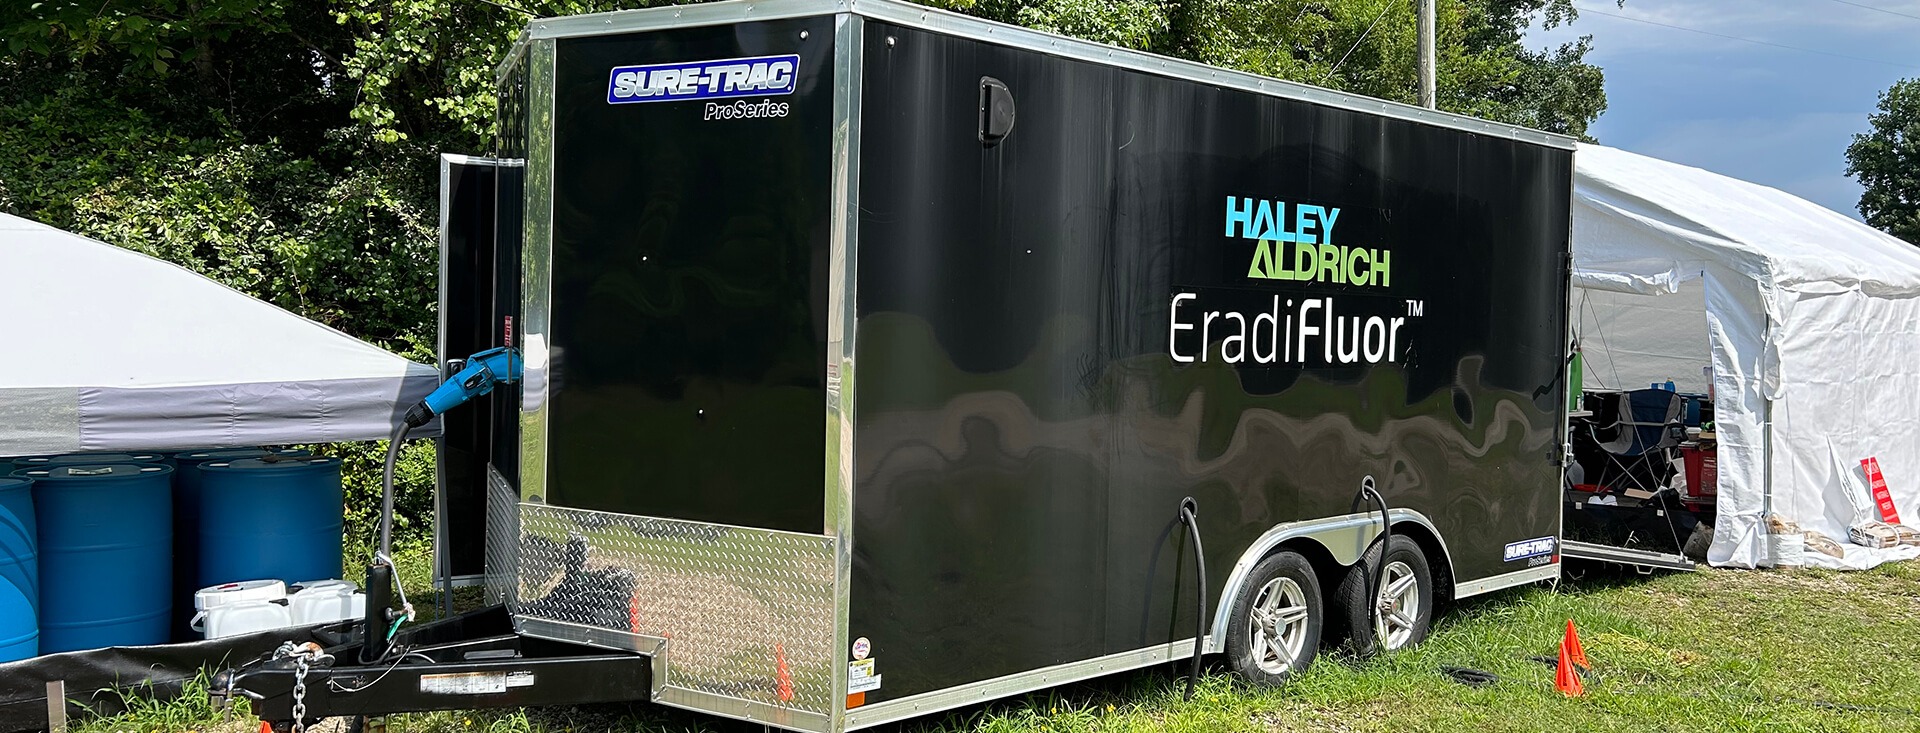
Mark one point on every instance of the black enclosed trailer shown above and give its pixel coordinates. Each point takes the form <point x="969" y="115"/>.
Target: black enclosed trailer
<point x="873" y="352"/>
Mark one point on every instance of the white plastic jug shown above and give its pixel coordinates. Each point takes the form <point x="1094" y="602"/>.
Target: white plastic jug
<point x="246" y="617"/>
<point x="245" y="590"/>
<point x="325" y="602"/>
<point x="227" y="594"/>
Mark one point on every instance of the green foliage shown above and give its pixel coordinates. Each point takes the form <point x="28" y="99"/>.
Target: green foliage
<point x="1363" y="46"/>
<point x="192" y="710"/>
<point x="151" y="34"/>
<point x="360" y="471"/>
<point x="1886" y="161"/>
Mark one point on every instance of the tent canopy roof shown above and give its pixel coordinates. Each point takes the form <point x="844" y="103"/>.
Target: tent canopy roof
<point x="1649" y="223"/>
<point x="118" y="350"/>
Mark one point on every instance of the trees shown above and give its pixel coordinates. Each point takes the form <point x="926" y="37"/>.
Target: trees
<point x="1886" y="162"/>
<point x="1363" y="46"/>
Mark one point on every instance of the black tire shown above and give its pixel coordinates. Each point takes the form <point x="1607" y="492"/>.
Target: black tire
<point x="1256" y="664"/>
<point x="1353" y="600"/>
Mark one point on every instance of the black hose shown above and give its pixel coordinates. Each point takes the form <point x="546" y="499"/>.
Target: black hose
<point x="1367" y="491"/>
<point x="376" y="636"/>
<point x="386" y="487"/>
<point x="1187" y="508"/>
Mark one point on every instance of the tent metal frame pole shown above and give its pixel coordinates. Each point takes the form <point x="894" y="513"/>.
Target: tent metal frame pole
<point x="1766" y="478"/>
<point x="1766" y="453"/>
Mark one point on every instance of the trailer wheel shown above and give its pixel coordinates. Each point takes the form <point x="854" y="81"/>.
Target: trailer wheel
<point x="1395" y="615"/>
<point x="1274" y="629"/>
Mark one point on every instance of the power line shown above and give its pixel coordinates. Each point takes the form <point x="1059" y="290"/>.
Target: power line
<point x="1744" y="40"/>
<point x="1362" y="39"/>
<point x="1878" y="10"/>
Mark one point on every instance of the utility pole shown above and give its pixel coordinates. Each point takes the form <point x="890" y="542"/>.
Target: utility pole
<point x="1426" y="53"/>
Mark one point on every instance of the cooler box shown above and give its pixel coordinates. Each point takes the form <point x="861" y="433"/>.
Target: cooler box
<point x="1702" y="471"/>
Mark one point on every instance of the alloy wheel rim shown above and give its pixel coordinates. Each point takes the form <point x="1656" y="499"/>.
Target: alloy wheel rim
<point x="1396" y="610"/>
<point x="1277" y="624"/>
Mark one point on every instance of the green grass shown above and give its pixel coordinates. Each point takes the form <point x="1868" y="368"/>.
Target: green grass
<point x="1706" y="651"/>
<point x="193" y="711"/>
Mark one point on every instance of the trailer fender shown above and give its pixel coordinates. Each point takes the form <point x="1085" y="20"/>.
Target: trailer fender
<point x="1344" y="538"/>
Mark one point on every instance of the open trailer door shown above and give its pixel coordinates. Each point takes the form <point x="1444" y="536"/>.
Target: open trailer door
<point x="479" y="302"/>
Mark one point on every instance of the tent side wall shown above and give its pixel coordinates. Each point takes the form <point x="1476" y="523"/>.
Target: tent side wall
<point x="1849" y="362"/>
<point x="1737" y="329"/>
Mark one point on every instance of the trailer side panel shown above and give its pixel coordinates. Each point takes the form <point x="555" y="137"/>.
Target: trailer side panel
<point x="1155" y="288"/>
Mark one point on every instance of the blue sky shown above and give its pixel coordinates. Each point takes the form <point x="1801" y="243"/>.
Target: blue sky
<point x="1766" y="114"/>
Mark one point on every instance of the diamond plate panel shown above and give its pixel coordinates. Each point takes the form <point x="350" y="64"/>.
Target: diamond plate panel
<point x="747" y="613"/>
<point x="503" y="538"/>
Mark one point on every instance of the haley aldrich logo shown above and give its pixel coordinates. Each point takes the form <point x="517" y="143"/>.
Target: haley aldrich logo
<point x="759" y="76"/>
<point x="1315" y="299"/>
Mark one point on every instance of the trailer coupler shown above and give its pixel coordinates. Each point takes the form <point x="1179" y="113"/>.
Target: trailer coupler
<point x="472" y="661"/>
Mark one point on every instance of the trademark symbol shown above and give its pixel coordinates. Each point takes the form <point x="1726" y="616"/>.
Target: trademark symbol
<point x="1416" y="307"/>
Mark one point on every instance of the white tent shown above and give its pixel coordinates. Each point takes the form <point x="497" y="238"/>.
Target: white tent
<point x="115" y="350"/>
<point x="1809" y="320"/>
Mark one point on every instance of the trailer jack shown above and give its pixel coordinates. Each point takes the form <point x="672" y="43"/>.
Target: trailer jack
<point x="470" y="661"/>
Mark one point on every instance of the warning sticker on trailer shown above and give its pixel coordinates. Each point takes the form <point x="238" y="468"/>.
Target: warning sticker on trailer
<point x="861" y="678"/>
<point x="465" y="683"/>
<point x="521" y="678"/>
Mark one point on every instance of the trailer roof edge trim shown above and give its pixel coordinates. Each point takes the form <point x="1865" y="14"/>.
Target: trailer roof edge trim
<point x="514" y="52"/>
<point x="916" y="16"/>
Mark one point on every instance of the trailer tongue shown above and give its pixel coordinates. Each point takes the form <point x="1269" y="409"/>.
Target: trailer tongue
<point x="880" y="361"/>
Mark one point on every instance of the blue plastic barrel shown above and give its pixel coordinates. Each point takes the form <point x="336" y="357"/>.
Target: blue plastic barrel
<point x="90" y="459"/>
<point x="268" y="518"/>
<point x="19" y="572"/>
<point x="106" y="554"/>
<point x="186" y="505"/>
<point x="19" y="636"/>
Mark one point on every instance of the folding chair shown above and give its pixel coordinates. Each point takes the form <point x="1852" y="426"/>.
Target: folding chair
<point x="1639" y="442"/>
<point x="1646" y="427"/>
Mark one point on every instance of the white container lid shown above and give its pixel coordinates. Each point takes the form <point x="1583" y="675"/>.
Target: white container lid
<point x="245" y="590"/>
<point x="324" y="586"/>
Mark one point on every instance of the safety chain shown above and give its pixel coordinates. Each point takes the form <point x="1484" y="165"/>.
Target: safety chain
<point x="303" y="656"/>
<point x="300" y="694"/>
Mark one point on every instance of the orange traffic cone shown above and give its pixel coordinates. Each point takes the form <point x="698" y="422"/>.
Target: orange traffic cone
<point x="1566" y="679"/>
<point x="633" y="611"/>
<point x="783" y="677"/>
<point x="1572" y="644"/>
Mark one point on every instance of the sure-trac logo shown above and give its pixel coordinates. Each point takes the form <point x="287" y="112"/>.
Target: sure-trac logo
<point x="718" y="79"/>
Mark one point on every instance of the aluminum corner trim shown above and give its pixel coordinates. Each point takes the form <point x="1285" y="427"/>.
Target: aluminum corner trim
<point x="536" y="253"/>
<point x="514" y="52"/>
<point x="1625" y="556"/>
<point x="680" y="16"/>
<point x="750" y="711"/>
<point x="541" y="628"/>
<point x="955" y="24"/>
<point x="987" y="31"/>
<point x="1549" y="571"/>
<point x="928" y="703"/>
<point x="842" y="291"/>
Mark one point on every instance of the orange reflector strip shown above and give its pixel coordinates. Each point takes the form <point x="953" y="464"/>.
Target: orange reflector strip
<point x="856" y="700"/>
